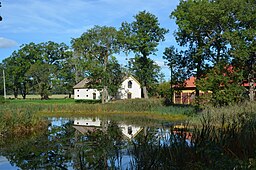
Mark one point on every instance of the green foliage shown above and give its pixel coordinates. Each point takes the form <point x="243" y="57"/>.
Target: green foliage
<point x="225" y="84"/>
<point x="142" y="37"/>
<point x="88" y="101"/>
<point x="2" y="100"/>
<point x="96" y="46"/>
<point x="217" y="32"/>
<point x="36" y="67"/>
<point x="146" y="71"/>
<point x="163" y="89"/>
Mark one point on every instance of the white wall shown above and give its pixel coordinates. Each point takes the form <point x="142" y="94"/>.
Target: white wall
<point x="134" y="129"/>
<point x="86" y="94"/>
<point x="124" y="90"/>
<point x="88" y="122"/>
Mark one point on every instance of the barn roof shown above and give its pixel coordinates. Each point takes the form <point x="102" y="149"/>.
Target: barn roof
<point x="82" y="84"/>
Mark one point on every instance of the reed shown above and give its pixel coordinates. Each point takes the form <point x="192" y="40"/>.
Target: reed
<point x="19" y="122"/>
<point x="222" y="139"/>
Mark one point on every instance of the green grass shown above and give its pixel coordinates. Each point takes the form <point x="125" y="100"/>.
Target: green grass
<point x="31" y="111"/>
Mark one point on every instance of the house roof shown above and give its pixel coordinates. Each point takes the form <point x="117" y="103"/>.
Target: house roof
<point x="247" y="84"/>
<point x="126" y="77"/>
<point x="190" y="82"/>
<point x="82" y="84"/>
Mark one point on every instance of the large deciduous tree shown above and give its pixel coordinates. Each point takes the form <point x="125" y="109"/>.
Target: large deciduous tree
<point x="36" y="67"/>
<point x="142" y="37"/>
<point x="177" y="62"/>
<point x="96" y="45"/>
<point x="214" y="33"/>
<point x="201" y="24"/>
<point x="242" y="37"/>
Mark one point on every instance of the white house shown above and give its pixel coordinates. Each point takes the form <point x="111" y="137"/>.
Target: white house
<point x="81" y="92"/>
<point x="130" y="89"/>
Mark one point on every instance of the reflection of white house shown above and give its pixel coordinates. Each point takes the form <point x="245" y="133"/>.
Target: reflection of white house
<point x="90" y="124"/>
<point x="130" y="89"/>
<point x="130" y="131"/>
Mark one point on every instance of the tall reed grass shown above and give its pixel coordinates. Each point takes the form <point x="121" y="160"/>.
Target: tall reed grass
<point x="18" y="122"/>
<point x="222" y="139"/>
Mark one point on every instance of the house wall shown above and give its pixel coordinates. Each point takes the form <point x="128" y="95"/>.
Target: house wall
<point x="129" y="131"/>
<point x="88" y="122"/>
<point x="186" y="96"/>
<point x="86" y="94"/>
<point x="124" y="90"/>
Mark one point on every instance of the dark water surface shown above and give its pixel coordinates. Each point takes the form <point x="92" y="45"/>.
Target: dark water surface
<point x="89" y="143"/>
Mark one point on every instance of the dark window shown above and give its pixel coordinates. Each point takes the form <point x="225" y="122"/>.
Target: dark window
<point x="94" y="96"/>
<point x="129" y="84"/>
<point x="129" y="95"/>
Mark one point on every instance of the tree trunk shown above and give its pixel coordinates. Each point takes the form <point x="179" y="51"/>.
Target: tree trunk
<point x="145" y="92"/>
<point x="104" y="95"/>
<point x="251" y="90"/>
<point x="15" y="91"/>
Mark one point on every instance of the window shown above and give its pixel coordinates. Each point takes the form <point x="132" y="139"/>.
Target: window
<point x="94" y="96"/>
<point x="77" y="90"/>
<point x="129" y="95"/>
<point x="86" y="95"/>
<point x="77" y="95"/>
<point x="130" y="130"/>
<point x="129" y="84"/>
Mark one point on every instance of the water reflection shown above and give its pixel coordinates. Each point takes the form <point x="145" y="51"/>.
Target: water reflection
<point x="92" y="143"/>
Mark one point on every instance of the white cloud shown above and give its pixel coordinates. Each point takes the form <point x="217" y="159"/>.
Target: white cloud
<point x="161" y="64"/>
<point x="58" y="16"/>
<point x="7" y="43"/>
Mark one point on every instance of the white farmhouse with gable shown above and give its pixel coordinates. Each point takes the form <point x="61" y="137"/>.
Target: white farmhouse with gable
<point x="129" y="89"/>
<point x="81" y="92"/>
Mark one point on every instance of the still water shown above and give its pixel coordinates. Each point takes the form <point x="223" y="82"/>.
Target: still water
<point x="91" y="143"/>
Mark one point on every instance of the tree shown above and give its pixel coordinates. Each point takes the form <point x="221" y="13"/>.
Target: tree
<point x="141" y="37"/>
<point x="41" y="75"/>
<point x="177" y="63"/>
<point x="242" y="37"/>
<point x="0" y="15"/>
<point x="225" y="84"/>
<point x="151" y="72"/>
<point x="19" y="65"/>
<point x="201" y="25"/>
<point x="16" y="67"/>
<point x="217" y="32"/>
<point x="96" y="45"/>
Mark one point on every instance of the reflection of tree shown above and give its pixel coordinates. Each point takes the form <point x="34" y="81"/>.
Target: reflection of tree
<point x="41" y="151"/>
<point x="163" y="151"/>
<point x="99" y="149"/>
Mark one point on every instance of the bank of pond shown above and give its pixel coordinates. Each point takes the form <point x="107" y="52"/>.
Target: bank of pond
<point x="103" y="143"/>
<point x="142" y="136"/>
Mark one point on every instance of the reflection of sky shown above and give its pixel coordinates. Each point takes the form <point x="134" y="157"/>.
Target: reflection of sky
<point x="5" y="164"/>
<point x="58" y="121"/>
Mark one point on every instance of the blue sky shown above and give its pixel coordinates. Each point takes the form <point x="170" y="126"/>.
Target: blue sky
<point x="26" y="21"/>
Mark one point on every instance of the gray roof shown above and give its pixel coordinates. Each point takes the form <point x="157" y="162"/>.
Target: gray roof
<point x="82" y="84"/>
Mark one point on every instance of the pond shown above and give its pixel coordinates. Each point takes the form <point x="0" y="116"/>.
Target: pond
<point x="94" y="143"/>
